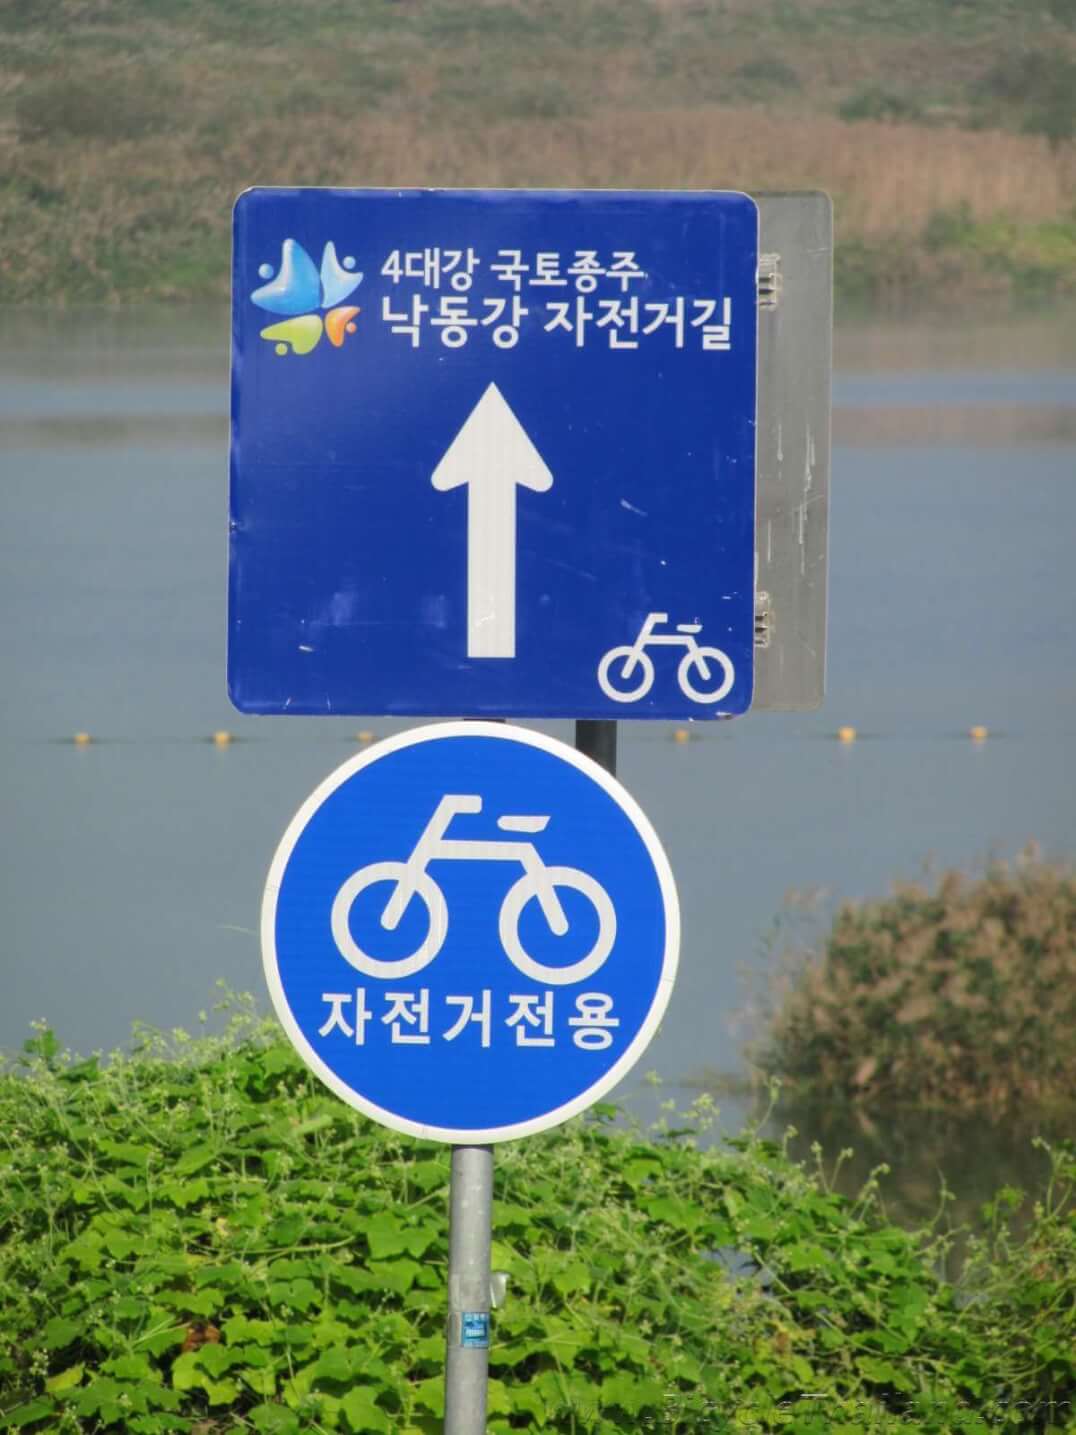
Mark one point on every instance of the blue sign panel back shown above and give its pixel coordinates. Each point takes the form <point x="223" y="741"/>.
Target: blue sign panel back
<point x="493" y="452"/>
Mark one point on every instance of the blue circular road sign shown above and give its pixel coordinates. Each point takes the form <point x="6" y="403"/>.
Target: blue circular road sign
<point x="470" y="932"/>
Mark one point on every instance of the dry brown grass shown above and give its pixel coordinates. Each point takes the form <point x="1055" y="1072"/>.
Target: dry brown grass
<point x="885" y="178"/>
<point x="119" y="217"/>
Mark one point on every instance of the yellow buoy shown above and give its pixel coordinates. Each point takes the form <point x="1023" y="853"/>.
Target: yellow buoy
<point x="681" y="735"/>
<point x="221" y="738"/>
<point x="846" y="734"/>
<point x="364" y="736"/>
<point x="978" y="733"/>
<point x="82" y="739"/>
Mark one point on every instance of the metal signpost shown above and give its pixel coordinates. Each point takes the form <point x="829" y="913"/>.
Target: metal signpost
<point x="508" y="454"/>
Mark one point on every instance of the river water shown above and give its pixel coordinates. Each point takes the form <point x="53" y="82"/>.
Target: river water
<point x="133" y="866"/>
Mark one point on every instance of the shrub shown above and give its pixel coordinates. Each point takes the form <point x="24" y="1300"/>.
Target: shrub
<point x="877" y="269"/>
<point x="115" y="104"/>
<point x="1021" y="1295"/>
<point x="1020" y="76"/>
<point x="878" y="104"/>
<point x="204" y="1240"/>
<point x="767" y="76"/>
<point x="964" y="993"/>
<point x="1037" y="89"/>
<point x="1033" y="259"/>
<point x="949" y="229"/>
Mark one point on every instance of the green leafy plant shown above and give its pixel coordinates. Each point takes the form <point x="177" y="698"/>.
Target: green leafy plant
<point x="197" y="1238"/>
<point x="1020" y="1294"/>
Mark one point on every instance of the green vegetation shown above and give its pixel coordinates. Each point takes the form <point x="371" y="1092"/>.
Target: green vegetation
<point x="198" y="1238"/>
<point x="1035" y="89"/>
<point x="1033" y="259"/>
<point x="961" y="994"/>
<point x="131" y="129"/>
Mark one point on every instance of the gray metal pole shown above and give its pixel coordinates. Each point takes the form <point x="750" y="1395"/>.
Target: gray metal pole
<point x="596" y="738"/>
<point x="470" y="1226"/>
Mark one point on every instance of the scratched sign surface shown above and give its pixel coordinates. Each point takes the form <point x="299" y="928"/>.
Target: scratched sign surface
<point x="493" y="452"/>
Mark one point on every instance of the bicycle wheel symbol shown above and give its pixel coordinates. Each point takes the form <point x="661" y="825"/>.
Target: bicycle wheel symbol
<point x="424" y="953"/>
<point x="697" y="660"/>
<point x="622" y="658"/>
<point x="512" y="910"/>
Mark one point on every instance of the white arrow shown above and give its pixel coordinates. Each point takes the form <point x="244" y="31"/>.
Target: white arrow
<point x="493" y="454"/>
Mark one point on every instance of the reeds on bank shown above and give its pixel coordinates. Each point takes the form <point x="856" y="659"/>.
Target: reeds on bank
<point x="957" y="994"/>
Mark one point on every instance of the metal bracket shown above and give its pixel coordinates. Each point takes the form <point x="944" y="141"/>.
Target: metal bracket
<point x="769" y="281"/>
<point x="763" y="620"/>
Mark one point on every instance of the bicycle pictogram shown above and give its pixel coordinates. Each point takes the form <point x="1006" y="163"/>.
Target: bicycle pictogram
<point x="623" y="663"/>
<point x="411" y="878"/>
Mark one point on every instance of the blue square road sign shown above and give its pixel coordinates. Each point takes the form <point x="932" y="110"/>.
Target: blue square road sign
<point x="493" y="452"/>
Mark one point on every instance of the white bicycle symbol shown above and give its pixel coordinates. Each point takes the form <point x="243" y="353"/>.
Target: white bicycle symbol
<point x="411" y="877"/>
<point x="697" y="659"/>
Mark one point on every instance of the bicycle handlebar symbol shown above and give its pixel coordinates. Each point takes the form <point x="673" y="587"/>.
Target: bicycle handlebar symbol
<point x="697" y="659"/>
<point x="411" y="878"/>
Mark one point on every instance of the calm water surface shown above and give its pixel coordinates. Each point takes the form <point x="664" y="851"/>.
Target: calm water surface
<point x="132" y="869"/>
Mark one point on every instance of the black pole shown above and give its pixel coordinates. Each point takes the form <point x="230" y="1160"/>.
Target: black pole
<point x="596" y="738"/>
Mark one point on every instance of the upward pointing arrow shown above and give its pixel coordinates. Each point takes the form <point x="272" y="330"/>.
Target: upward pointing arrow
<point x="493" y="454"/>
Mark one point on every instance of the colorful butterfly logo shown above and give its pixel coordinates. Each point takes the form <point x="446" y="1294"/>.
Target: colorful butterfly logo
<point x="296" y="288"/>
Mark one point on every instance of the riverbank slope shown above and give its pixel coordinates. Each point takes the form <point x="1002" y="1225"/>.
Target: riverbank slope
<point x="943" y="130"/>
